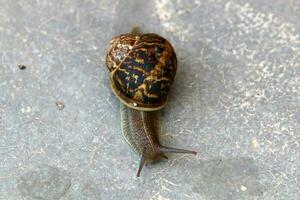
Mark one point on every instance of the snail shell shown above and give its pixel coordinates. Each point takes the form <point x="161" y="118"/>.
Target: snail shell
<point x="142" y="67"/>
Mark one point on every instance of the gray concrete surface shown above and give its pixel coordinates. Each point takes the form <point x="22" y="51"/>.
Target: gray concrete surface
<point x="235" y="100"/>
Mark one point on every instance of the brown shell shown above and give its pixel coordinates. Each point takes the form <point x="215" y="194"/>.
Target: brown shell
<point x="142" y="69"/>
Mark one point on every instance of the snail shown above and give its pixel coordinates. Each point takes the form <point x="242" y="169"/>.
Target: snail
<point x="142" y="69"/>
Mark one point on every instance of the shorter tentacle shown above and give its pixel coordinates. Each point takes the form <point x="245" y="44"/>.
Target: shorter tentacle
<point x="142" y="163"/>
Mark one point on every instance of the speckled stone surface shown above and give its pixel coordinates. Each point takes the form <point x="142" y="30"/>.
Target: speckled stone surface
<point x="236" y="100"/>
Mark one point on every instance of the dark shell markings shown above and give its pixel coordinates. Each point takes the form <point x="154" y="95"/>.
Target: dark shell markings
<point x="142" y="69"/>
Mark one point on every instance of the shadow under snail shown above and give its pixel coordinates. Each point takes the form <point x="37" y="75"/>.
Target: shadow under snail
<point x="142" y="69"/>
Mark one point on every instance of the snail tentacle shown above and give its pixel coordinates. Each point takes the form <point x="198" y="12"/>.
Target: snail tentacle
<point x="165" y="149"/>
<point x="142" y="163"/>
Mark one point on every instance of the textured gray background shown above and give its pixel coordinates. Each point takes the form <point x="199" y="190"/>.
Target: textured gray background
<point x="235" y="100"/>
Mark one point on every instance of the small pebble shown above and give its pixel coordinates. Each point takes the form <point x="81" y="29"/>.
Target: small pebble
<point x="22" y="67"/>
<point x="254" y="143"/>
<point x="60" y="105"/>
<point x="26" y="110"/>
<point x="243" y="188"/>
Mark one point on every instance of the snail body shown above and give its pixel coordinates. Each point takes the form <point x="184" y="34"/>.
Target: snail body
<point x="142" y="69"/>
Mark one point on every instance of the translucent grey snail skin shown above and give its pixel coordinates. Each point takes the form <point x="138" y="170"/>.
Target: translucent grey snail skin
<point x="140" y="130"/>
<point x="142" y="69"/>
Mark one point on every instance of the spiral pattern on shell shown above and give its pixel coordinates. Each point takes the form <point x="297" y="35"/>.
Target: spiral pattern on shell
<point x="142" y="70"/>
